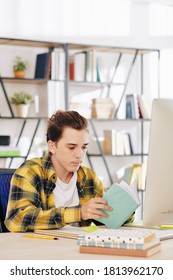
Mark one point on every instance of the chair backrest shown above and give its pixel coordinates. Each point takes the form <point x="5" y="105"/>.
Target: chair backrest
<point x="5" y="178"/>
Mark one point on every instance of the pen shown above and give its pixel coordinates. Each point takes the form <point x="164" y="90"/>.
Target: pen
<point x="167" y="226"/>
<point x="41" y="237"/>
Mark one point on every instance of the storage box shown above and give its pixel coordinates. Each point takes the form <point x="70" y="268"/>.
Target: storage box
<point x="103" y="108"/>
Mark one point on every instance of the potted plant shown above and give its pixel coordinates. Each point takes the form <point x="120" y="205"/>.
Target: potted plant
<point x="22" y="101"/>
<point x="19" y="67"/>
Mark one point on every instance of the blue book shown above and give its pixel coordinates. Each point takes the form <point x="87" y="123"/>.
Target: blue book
<point x="42" y="69"/>
<point x="124" y="200"/>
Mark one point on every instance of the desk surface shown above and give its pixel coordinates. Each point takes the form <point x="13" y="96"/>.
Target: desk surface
<point x="15" y="247"/>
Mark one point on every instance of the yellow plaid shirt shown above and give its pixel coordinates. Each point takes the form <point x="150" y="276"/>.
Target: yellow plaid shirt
<point x="31" y="202"/>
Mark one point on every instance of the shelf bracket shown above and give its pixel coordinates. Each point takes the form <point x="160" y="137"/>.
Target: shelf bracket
<point x="6" y="97"/>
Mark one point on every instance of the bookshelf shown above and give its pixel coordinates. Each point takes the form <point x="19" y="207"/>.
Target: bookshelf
<point x="114" y="73"/>
<point x="106" y="72"/>
<point x="24" y="131"/>
<point x="126" y="73"/>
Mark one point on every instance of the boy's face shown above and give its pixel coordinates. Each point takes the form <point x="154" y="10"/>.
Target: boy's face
<point x="69" y="151"/>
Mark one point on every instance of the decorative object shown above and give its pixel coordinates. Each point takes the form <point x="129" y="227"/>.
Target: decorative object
<point x="19" y="67"/>
<point x="103" y="108"/>
<point x="22" y="101"/>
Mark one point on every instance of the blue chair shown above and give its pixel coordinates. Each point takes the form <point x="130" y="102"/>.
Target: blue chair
<point x="5" y="178"/>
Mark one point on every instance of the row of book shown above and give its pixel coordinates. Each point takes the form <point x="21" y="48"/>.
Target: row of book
<point x="121" y="242"/>
<point x="137" y="107"/>
<point x="117" y="142"/>
<point x="135" y="174"/>
<point x="88" y="66"/>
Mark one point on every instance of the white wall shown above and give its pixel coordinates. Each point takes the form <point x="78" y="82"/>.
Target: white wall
<point x="105" y="22"/>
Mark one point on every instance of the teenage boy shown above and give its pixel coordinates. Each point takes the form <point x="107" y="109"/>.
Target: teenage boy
<point x="57" y="189"/>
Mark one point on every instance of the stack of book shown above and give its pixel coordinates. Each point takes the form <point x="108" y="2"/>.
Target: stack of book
<point x="9" y="151"/>
<point x="121" y="242"/>
<point x="117" y="142"/>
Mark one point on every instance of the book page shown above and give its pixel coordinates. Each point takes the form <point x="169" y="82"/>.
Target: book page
<point x="132" y="190"/>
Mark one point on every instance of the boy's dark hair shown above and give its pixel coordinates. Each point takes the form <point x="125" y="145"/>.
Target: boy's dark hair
<point x="61" y="119"/>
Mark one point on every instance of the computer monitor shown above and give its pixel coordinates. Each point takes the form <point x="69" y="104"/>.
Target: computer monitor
<point x="158" y="203"/>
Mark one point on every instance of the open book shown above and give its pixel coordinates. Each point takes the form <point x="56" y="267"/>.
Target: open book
<point x="124" y="201"/>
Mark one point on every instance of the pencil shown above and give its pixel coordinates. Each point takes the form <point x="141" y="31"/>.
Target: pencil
<point x="167" y="226"/>
<point x="41" y="237"/>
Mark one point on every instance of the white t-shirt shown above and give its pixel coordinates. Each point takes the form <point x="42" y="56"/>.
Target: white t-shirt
<point x="66" y="195"/>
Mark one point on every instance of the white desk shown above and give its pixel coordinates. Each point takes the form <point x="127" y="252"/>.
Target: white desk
<point x="15" y="247"/>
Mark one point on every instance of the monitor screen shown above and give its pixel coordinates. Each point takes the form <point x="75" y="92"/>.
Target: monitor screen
<point x="158" y="204"/>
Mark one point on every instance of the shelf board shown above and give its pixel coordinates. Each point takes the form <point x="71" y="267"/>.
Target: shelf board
<point x="24" y="80"/>
<point x="30" y="43"/>
<point x="23" y="119"/>
<point x="125" y="50"/>
<point x="12" y="156"/>
<point x="12" y="80"/>
<point x="94" y="84"/>
<point x="119" y="120"/>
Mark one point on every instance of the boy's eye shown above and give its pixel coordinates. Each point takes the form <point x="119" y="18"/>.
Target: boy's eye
<point x="84" y="148"/>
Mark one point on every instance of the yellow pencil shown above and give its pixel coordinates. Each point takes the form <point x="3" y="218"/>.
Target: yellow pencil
<point x="41" y="237"/>
<point x="167" y="226"/>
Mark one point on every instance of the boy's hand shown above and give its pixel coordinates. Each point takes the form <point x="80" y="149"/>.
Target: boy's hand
<point x="92" y="209"/>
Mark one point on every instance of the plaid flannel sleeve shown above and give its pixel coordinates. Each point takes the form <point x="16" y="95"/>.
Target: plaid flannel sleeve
<point x="25" y="211"/>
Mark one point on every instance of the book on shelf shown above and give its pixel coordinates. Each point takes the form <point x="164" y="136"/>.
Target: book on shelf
<point x="43" y="66"/>
<point x="71" y="68"/>
<point x="135" y="174"/>
<point x="117" y="142"/>
<point x="124" y="201"/>
<point x="132" y="110"/>
<point x="57" y="65"/>
<point x="5" y="140"/>
<point x="128" y="148"/>
<point x="9" y="151"/>
<point x="144" y="110"/>
<point x="124" y="242"/>
<point x="138" y="174"/>
<point x="109" y="143"/>
<point x="80" y="66"/>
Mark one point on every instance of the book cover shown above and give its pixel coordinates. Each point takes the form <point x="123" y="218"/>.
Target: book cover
<point x="144" y="110"/>
<point x="80" y="66"/>
<point x="67" y="231"/>
<point x="71" y="71"/>
<point x="42" y="69"/>
<point x="132" y="110"/>
<point x="124" y="201"/>
<point x="120" y="238"/>
<point x="121" y="245"/>
<point x="138" y="175"/>
<point x="121" y="252"/>
<point x="109" y="143"/>
<point x="9" y="151"/>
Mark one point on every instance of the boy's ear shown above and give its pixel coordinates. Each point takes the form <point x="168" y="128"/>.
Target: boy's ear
<point x="51" y="146"/>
